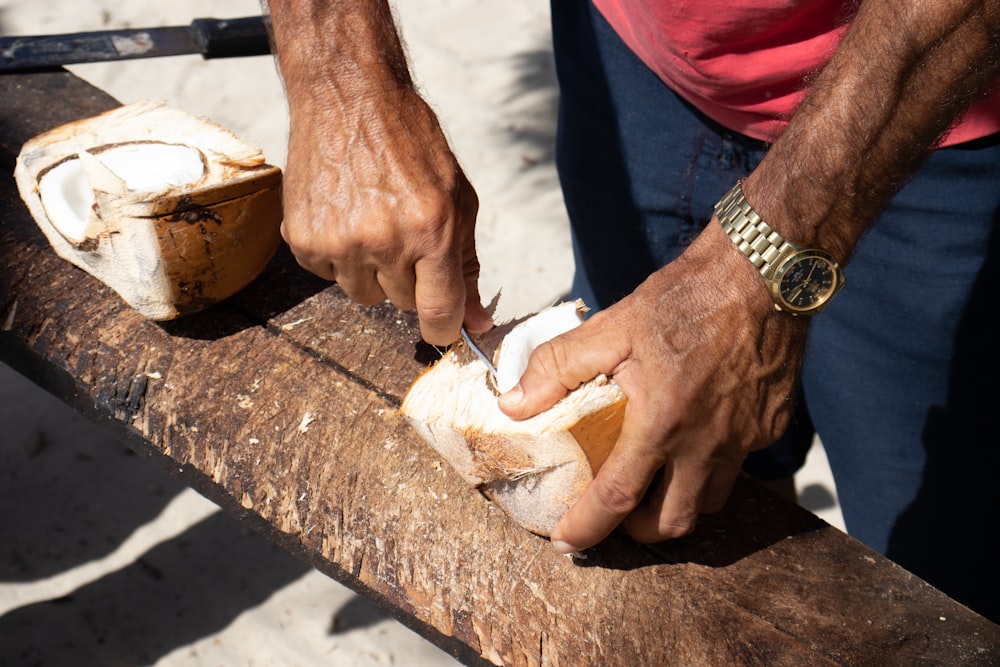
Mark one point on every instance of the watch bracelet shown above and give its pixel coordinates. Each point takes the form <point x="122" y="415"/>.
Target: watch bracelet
<point x="760" y="244"/>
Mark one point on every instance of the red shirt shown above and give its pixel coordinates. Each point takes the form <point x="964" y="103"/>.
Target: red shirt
<point x="743" y="62"/>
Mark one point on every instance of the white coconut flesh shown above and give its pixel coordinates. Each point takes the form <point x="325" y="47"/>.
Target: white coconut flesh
<point x="67" y="190"/>
<point x="456" y="395"/>
<point x="513" y="353"/>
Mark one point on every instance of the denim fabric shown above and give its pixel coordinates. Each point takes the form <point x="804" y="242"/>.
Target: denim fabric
<point x="901" y="371"/>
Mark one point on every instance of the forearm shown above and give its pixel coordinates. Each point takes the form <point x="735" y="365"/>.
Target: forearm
<point x="339" y="60"/>
<point x="347" y="49"/>
<point x="903" y="73"/>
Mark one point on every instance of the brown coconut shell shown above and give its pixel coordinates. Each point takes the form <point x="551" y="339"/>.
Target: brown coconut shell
<point x="169" y="249"/>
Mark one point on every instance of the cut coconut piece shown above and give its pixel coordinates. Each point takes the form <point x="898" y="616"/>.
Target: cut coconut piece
<point x="172" y="211"/>
<point x="534" y="469"/>
<point x="511" y="357"/>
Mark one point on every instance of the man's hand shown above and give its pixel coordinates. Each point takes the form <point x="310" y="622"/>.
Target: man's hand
<point x="706" y="362"/>
<point x="373" y="196"/>
<point x="707" y="365"/>
<point x="386" y="212"/>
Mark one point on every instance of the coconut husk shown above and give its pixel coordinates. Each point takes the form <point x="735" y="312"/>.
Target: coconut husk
<point x="533" y="469"/>
<point x="172" y="211"/>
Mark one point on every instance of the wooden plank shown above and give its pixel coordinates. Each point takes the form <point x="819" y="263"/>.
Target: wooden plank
<point x="280" y="406"/>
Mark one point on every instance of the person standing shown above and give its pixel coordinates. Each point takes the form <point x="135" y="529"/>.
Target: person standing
<point x="862" y="133"/>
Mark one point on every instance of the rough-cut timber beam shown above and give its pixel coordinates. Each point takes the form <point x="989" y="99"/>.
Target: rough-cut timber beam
<point x="280" y="405"/>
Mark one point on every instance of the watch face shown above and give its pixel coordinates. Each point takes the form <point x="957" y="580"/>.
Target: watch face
<point x="806" y="281"/>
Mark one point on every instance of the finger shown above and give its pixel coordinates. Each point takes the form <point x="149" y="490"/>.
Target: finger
<point x="440" y="299"/>
<point x="301" y="248"/>
<point x="616" y="491"/>
<point x="720" y="487"/>
<point x="477" y="318"/>
<point x="681" y="493"/>
<point x="647" y="513"/>
<point x="322" y="269"/>
<point x="399" y="287"/>
<point x="361" y="285"/>
<point x="562" y="364"/>
<point x="671" y="510"/>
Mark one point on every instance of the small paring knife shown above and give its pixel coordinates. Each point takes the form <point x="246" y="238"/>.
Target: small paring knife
<point x="479" y="353"/>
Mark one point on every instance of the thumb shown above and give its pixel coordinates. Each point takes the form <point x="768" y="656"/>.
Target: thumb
<point x="562" y="364"/>
<point x="477" y="318"/>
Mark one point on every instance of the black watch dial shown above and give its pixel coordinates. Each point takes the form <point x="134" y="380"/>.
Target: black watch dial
<point x="807" y="281"/>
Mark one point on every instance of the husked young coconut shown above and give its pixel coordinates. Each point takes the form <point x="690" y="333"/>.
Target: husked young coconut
<point x="170" y="210"/>
<point x="534" y="469"/>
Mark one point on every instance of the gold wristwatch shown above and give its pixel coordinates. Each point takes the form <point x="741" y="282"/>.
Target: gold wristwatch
<point x="801" y="281"/>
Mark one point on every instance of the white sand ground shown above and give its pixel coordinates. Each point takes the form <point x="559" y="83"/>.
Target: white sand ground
<point x="106" y="560"/>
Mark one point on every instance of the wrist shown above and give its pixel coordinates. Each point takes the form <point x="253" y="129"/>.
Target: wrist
<point x="726" y="271"/>
<point x="800" y="280"/>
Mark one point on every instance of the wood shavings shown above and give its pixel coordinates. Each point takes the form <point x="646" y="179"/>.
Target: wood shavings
<point x="307" y="419"/>
<point x="8" y="320"/>
<point x="291" y="325"/>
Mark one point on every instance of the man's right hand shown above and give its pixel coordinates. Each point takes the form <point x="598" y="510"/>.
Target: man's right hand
<point x="373" y="195"/>
<point x="376" y="201"/>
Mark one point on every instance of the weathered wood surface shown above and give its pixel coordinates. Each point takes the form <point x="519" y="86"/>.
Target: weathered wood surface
<point x="280" y="406"/>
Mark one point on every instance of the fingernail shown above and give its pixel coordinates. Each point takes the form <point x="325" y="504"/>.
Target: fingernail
<point x="512" y="398"/>
<point x="563" y="547"/>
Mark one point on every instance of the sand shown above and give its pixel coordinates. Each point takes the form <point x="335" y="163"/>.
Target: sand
<point x="104" y="559"/>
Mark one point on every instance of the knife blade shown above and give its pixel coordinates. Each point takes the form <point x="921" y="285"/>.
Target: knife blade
<point x="208" y="37"/>
<point x="479" y="353"/>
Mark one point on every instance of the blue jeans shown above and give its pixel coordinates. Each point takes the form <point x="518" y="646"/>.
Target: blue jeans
<point x="901" y="371"/>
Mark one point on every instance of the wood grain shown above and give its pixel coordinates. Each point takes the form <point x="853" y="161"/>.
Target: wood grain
<point x="280" y="405"/>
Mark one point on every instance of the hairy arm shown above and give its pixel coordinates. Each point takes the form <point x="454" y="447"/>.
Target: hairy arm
<point x="904" y="72"/>
<point x="373" y="196"/>
<point x="706" y="362"/>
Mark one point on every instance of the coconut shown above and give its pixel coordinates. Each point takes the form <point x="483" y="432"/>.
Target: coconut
<point x="172" y="211"/>
<point x="534" y="469"/>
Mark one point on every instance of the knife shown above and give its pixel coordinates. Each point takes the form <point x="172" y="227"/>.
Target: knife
<point x="211" y="38"/>
<point x="479" y="353"/>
